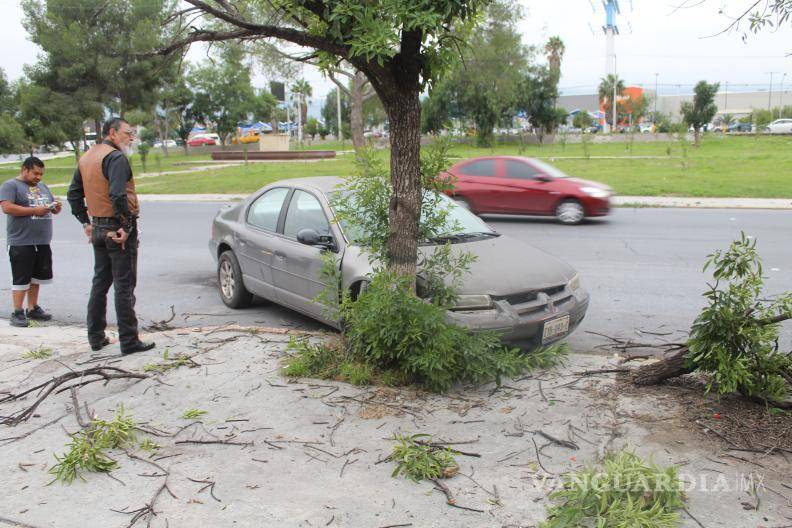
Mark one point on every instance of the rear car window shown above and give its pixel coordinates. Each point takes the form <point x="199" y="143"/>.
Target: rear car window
<point x="266" y="209"/>
<point x="479" y="168"/>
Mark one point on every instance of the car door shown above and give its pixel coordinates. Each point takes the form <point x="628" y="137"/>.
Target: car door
<point x="255" y="242"/>
<point x="296" y="267"/>
<point x="530" y="193"/>
<point x="479" y="181"/>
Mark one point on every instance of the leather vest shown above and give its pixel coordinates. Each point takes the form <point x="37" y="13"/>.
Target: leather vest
<point x="97" y="187"/>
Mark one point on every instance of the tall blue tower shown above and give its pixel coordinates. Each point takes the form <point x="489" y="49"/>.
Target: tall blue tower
<point x="611" y="30"/>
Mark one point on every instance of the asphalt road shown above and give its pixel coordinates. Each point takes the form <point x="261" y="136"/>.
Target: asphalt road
<point x="643" y="267"/>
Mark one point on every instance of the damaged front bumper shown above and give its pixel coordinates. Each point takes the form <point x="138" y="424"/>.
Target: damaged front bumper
<point x="521" y="320"/>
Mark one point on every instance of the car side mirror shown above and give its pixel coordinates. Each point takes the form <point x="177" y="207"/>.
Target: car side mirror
<point x="310" y="237"/>
<point x="544" y="178"/>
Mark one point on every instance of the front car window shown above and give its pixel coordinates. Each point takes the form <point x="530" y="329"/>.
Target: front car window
<point x="546" y="168"/>
<point x="519" y="170"/>
<point x="265" y="211"/>
<point x="458" y="221"/>
<point x="305" y="212"/>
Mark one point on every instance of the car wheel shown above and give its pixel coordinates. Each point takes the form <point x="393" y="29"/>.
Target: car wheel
<point x="229" y="278"/>
<point x="570" y="212"/>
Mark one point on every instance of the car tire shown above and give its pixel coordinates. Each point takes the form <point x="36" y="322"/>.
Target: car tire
<point x="570" y="212"/>
<point x="229" y="279"/>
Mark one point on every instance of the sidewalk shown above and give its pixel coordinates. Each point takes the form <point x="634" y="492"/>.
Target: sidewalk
<point x="308" y="453"/>
<point x="617" y="201"/>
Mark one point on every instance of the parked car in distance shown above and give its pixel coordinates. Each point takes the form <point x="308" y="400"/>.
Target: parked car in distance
<point x="646" y="128"/>
<point x="526" y="186"/>
<point x="780" y="126"/>
<point x="203" y="139"/>
<point x="168" y="143"/>
<point x="273" y="245"/>
<point x="741" y="127"/>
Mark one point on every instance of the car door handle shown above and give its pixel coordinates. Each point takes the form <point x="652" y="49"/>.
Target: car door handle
<point x="280" y="254"/>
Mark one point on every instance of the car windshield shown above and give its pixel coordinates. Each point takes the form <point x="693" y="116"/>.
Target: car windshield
<point x="460" y="224"/>
<point x="548" y="169"/>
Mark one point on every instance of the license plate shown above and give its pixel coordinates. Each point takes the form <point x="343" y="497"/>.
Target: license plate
<point x="554" y="328"/>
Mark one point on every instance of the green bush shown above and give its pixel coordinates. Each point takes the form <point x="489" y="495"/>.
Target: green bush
<point x="627" y="492"/>
<point x="734" y="338"/>
<point x="392" y="328"/>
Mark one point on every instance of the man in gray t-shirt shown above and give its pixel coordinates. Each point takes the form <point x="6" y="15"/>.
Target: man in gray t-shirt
<point x="29" y="206"/>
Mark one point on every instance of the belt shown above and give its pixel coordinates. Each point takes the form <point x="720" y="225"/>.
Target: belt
<point x="110" y="220"/>
<point x="104" y="220"/>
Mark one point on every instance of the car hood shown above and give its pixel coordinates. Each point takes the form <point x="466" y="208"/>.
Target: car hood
<point x="505" y="266"/>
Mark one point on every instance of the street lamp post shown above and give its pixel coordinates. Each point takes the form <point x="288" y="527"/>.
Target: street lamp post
<point x="781" y="93"/>
<point x="654" y="118"/>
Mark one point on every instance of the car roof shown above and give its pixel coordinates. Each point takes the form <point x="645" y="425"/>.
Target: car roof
<point x="324" y="184"/>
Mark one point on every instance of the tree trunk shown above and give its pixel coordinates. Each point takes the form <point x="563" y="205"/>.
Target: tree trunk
<point x="356" y="109"/>
<point x="696" y="136"/>
<point x="661" y="370"/>
<point x="404" y="112"/>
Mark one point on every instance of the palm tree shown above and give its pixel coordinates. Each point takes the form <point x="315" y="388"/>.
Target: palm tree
<point x="726" y="121"/>
<point x="303" y="89"/>
<point x="555" y="52"/>
<point x="605" y="91"/>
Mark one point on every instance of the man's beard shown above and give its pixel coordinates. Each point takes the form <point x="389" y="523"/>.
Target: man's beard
<point x="128" y="150"/>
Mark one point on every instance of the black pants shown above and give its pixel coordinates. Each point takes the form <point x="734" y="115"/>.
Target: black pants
<point x="117" y="267"/>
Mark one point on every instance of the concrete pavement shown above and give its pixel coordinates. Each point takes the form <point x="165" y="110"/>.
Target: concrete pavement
<point x="308" y="453"/>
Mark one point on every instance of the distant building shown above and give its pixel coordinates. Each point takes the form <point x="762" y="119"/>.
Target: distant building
<point x="739" y="104"/>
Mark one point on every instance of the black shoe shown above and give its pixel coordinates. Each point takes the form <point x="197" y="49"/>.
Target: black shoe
<point x="96" y="347"/>
<point x="19" y="319"/>
<point x="140" y="346"/>
<point x="38" y="314"/>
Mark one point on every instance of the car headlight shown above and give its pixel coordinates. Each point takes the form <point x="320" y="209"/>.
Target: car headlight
<point x="472" y="302"/>
<point x="596" y="192"/>
<point x="574" y="283"/>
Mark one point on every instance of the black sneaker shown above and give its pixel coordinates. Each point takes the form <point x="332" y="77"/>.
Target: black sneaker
<point x="38" y="314"/>
<point x="18" y="319"/>
<point x="140" y="346"/>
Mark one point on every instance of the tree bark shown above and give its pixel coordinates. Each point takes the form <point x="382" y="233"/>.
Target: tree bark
<point x="404" y="112"/>
<point x="659" y="371"/>
<point x="356" y="109"/>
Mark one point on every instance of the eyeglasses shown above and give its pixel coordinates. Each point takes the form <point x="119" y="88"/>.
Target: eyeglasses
<point x="129" y="132"/>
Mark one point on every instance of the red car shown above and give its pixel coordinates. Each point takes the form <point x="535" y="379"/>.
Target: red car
<point x="201" y="140"/>
<point x="517" y="185"/>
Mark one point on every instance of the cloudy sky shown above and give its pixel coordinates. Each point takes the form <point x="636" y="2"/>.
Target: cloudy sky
<point x="656" y="37"/>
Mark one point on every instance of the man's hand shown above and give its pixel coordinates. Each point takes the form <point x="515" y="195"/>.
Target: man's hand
<point x="120" y="237"/>
<point x="41" y="210"/>
<point x="88" y="230"/>
<point x="57" y="207"/>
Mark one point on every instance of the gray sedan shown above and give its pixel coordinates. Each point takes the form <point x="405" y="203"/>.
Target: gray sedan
<point x="271" y="245"/>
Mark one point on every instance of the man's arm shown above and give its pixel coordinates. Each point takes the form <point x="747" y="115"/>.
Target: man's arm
<point x="118" y="172"/>
<point x="10" y="208"/>
<point x="7" y="196"/>
<point x="76" y="198"/>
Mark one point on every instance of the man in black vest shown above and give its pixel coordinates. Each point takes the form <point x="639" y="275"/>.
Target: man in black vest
<point x="104" y="180"/>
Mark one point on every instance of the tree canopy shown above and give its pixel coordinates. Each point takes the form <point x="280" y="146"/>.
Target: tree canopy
<point x="701" y="111"/>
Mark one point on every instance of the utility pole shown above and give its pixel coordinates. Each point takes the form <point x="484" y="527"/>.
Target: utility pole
<point x="781" y="93"/>
<point x="338" y="110"/>
<point x="770" y="91"/>
<point x="654" y="118"/>
<point x="299" y="118"/>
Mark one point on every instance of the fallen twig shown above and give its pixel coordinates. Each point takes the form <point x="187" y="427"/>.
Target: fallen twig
<point x="450" y="500"/>
<point x="553" y="439"/>
<point x="104" y="373"/>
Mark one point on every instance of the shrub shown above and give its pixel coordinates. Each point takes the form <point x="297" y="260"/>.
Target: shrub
<point x="418" y="459"/>
<point x="735" y="338"/>
<point x="627" y="492"/>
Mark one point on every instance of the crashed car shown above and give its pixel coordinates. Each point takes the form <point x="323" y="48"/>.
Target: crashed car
<point x="271" y="245"/>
